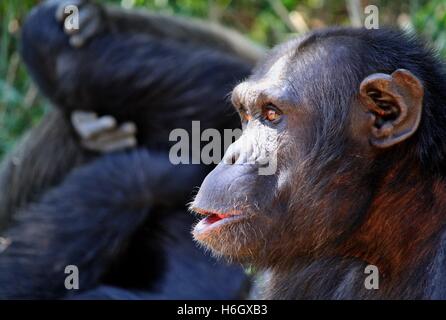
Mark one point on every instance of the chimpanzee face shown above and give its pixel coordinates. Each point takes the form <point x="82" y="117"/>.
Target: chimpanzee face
<point x="312" y="129"/>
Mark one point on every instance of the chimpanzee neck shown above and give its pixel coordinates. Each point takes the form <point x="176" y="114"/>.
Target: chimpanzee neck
<point x="402" y="229"/>
<point x="402" y="234"/>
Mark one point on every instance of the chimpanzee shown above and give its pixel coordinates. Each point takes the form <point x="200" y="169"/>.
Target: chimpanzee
<point x="355" y="121"/>
<point x="120" y="217"/>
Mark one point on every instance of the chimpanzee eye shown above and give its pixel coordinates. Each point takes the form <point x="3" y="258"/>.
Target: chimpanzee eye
<point x="271" y="113"/>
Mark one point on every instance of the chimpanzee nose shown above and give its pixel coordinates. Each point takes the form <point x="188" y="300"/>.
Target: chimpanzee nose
<point x="230" y="188"/>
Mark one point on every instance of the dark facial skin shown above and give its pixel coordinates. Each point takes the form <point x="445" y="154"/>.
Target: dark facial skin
<point x="267" y="108"/>
<point x="327" y="127"/>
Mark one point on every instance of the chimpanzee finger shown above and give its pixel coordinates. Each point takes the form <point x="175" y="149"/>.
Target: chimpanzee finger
<point x="128" y="127"/>
<point x="89" y="128"/>
<point x="120" y="138"/>
<point x="111" y="145"/>
<point x="111" y="136"/>
<point x="89" y="25"/>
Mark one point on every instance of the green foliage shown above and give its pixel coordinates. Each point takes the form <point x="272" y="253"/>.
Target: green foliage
<point x="430" y="20"/>
<point x="265" y="21"/>
<point x="20" y="105"/>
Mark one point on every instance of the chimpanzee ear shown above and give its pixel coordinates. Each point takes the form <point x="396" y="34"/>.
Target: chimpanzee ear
<point x="395" y="102"/>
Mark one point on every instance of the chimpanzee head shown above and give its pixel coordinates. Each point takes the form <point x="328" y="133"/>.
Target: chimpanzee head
<point x="331" y="114"/>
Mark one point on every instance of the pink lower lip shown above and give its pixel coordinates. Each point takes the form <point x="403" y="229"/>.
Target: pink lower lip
<point x="213" y="221"/>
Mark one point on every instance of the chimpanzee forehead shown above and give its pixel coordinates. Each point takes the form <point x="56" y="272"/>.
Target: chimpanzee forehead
<point x="303" y="66"/>
<point x="309" y="45"/>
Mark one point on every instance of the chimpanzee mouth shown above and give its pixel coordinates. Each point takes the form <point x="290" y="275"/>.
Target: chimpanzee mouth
<point x="214" y="220"/>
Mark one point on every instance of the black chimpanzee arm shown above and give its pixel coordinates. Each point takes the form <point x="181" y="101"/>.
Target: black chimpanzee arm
<point x="122" y="72"/>
<point x="38" y="162"/>
<point x="85" y="221"/>
<point x="191" y="31"/>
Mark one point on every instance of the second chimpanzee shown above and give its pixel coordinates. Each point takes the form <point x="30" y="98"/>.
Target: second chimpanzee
<point x="119" y="218"/>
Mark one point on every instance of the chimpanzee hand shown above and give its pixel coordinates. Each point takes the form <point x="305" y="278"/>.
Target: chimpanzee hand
<point x="102" y="134"/>
<point x="92" y="20"/>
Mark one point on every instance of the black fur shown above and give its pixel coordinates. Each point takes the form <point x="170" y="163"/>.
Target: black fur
<point x="338" y="202"/>
<point x="120" y="218"/>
